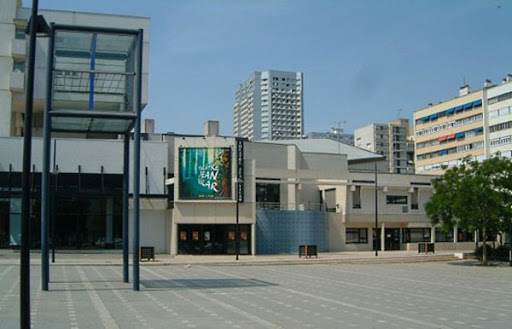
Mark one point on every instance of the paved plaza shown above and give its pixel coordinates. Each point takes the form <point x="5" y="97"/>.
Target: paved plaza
<point x="454" y="294"/>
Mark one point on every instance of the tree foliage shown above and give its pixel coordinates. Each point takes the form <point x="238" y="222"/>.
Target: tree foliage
<point x="474" y="196"/>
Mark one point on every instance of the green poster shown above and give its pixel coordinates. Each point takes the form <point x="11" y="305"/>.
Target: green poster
<point x="205" y="173"/>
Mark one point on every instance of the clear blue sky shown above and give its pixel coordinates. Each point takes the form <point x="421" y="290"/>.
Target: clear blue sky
<point x="363" y="61"/>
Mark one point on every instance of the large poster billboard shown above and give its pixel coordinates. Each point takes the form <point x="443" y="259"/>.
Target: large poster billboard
<point x="205" y="173"/>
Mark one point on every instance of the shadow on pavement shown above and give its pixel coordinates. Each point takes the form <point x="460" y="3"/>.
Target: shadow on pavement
<point x="204" y="283"/>
<point x="475" y="262"/>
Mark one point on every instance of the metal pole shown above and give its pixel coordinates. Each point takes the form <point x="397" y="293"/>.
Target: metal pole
<point x="237" y="227"/>
<point x="376" y="214"/>
<point x="126" y="182"/>
<point x="136" y="166"/>
<point x="25" y="179"/>
<point x="54" y="196"/>
<point x="45" y="179"/>
<point x="510" y="244"/>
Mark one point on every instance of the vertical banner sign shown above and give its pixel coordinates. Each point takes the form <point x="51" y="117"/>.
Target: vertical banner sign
<point x="240" y="169"/>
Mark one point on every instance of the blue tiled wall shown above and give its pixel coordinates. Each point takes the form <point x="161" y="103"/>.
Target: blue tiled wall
<point x="282" y="231"/>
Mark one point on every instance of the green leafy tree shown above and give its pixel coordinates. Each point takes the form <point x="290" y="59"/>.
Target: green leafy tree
<point x="473" y="196"/>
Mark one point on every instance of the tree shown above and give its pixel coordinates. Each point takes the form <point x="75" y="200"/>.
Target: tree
<point x="474" y="196"/>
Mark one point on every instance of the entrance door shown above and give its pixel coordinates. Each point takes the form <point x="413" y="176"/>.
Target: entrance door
<point x="392" y="239"/>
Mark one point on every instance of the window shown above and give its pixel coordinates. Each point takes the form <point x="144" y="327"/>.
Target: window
<point x="19" y="66"/>
<point x="414" y="199"/>
<point x="356" y="235"/>
<point x="463" y="236"/>
<point x="356" y="197"/>
<point x="411" y="235"/>
<point x="442" y="236"/>
<point x="20" y="34"/>
<point x="500" y="98"/>
<point x="501" y="126"/>
<point x="396" y="199"/>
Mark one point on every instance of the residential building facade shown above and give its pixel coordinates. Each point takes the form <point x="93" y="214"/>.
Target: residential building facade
<point x="475" y="124"/>
<point x="269" y="106"/>
<point x="390" y="140"/>
<point x="499" y="118"/>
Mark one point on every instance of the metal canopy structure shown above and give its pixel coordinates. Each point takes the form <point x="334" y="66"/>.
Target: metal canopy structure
<point x="93" y="79"/>
<point x="94" y="85"/>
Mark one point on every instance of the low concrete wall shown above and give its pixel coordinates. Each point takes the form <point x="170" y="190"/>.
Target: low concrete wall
<point x="464" y="246"/>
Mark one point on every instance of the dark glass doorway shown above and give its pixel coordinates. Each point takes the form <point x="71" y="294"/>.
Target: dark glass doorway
<point x="392" y="239"/>
<point x="203" y="239"/>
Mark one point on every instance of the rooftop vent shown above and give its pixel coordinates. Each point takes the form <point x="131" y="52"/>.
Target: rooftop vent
<point x="464" y="90"/>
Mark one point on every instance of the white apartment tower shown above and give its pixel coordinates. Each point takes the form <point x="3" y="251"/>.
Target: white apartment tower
<point x="269" y="106"/>
<point x="391" y="140"/>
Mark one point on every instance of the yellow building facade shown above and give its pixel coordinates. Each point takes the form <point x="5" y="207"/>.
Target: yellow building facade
<point x="448" y="132"/>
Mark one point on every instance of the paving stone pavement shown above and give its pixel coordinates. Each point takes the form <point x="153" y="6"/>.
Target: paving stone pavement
<point x="454" y="294"/>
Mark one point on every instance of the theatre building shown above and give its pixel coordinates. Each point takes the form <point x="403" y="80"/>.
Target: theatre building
<point x="289" y="193"/>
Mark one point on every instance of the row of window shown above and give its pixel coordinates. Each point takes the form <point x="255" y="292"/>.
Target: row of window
<point x="460" y="148"/>
<point x="501" y="141"/>
<point x="451" y="138"/>
<point x="500" y="112"/>
<point x="440" y="165"/>
<point x="409" y="235"/>
<point x="501" y="126"/>
<point x="450" y="125"/>
<point x="458" y="109"/>
<point x="500" y="98"/>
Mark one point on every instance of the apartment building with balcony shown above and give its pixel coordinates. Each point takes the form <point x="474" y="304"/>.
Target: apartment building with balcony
<point x="391" y="140"/>
<point x="499" y="118"/>
<point x="475" y="124"/>
<point x="13" y="56"/>
<point x="269" y="106"/>
<point x="448" y="132"/>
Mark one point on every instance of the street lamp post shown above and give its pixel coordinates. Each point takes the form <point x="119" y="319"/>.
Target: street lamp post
<point x="376" y="214"/>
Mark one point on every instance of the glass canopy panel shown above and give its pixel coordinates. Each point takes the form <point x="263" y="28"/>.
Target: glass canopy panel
<point x="110" y="125"/>
<point x="93" y="79"/>
<point x="94" y="71"/>
<point x="71" y="124"/>
<point x="97" y="125"/>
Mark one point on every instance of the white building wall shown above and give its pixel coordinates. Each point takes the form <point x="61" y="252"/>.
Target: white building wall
<point x="7" y="30"/>
<point x="500" y="113"/>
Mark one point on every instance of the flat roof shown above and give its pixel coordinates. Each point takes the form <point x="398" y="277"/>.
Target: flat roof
<point x="329" y="146"/>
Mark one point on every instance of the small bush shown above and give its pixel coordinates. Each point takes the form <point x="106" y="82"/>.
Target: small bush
<point x="500" y="253"/>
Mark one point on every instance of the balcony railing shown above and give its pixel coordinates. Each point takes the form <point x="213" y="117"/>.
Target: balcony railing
<point x="291" y="206"/>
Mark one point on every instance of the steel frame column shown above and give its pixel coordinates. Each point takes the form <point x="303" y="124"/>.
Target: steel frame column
<point x="126" y="182"/>
<point x="25" y="179"/>
<point x="136" y="166"/>
<point x="45" y="179"/>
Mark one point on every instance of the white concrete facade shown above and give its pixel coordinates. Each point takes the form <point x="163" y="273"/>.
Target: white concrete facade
<point x="499" y="116"/>
<point x="269" y="106"/>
